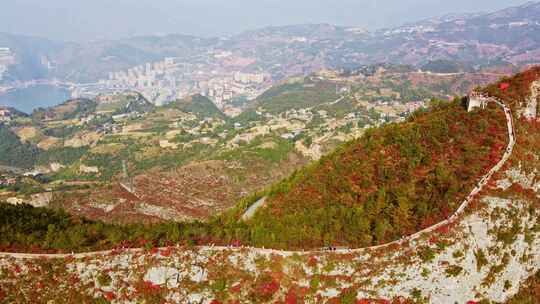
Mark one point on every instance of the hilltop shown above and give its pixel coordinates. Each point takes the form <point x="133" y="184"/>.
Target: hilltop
<point x="296" y="94"/>
<point x="198" y="105"/>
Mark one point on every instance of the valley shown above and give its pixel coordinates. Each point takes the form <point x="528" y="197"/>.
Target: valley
<point x="185" y="147"/>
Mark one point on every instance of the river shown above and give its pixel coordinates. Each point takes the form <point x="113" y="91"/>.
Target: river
<point x="34" y="97"/>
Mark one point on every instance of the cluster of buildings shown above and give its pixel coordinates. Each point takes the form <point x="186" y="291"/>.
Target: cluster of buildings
<point x="6" y="181"/>
<point x="6" y="114"/>
<point x="414" y="29"/>
<point x="6" y="59"/>
<point x="173" y="78"/>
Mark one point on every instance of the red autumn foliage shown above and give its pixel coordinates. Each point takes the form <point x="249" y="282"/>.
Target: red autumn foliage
<point x="236" y="288"/>
<point x="109" y="296"/>
<point x="292" y="297"/>
<point x="268" y="289"/>
<point x="373" y="301"/>
<point x="215" y="302"/>
<point x="142" y="242"/>
<point x="148" y="288"/>
<point x="152" y="285"/>
<point x="17" y="269"/>
<point x="166" y="252"/>
<point x="443" y="229"/>
<point x="312" y="262"/>
<point x="236" y="243"/>
<point x="395" y="184"/>
<point x="516" y="88"/>
<point x="74" y="280"/>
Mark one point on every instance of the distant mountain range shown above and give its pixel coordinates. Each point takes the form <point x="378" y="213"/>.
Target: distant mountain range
<point x="510" y="35"/>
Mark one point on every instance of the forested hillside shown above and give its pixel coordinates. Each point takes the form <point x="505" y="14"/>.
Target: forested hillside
<point x="13" y="152"/>
<point x="198" y="105"/>
<point x="515" y="89"/>
<point x="392" y="182"/>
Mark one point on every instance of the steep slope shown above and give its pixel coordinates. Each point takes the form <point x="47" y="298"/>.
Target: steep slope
<point x="15" y="153"/>
<point x="198" y="105"/>
<point x="517" y="89"/>
<point x="391" y="182"/>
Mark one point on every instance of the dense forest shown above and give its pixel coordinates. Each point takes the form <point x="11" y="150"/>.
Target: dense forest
<point x="389" y="183"/>
<point x="29" y="229"/>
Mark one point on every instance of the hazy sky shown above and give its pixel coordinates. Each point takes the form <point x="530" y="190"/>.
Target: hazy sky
<point x="94" y="19"/>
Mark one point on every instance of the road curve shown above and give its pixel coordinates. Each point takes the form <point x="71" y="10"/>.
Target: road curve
<point x="479" y="187"/>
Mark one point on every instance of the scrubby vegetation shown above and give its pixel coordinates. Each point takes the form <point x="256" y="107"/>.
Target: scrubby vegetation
<point x="198" y="105"/>
<point x="529" y="293"/>
<point x="68" y="110"/>
<point x="515" y="89"/>
<point x="442" y="66"/>
<point x="298" y="95"/>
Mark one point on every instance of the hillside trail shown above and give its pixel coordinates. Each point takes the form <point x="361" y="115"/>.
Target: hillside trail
<point x="479" y="187"/>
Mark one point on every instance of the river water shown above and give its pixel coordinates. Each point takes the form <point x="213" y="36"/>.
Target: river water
<point x="34" y="97"/>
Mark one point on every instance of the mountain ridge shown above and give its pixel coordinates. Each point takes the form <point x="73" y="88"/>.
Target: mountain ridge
<point x="471" y="39"/>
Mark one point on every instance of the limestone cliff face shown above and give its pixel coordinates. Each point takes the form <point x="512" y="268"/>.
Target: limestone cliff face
<point x="530" y="109"/>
